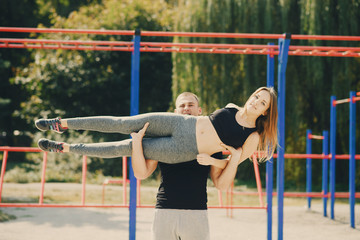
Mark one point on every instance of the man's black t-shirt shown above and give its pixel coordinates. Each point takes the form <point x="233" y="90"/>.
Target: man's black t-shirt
<point x="183" y="185"/>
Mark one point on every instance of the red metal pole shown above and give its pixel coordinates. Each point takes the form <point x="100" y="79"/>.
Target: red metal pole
<point x="319" y="137"/>
<point x="231" y="199"/>
<point x="103" y="193"/>
<point x="35" y="205"/>
<point x="124" y="166"/>
<point x="220" y="198"/>
<point x="84" y="170"/>
<point x="43" y="176"/>
<point x="183" y="34"/>
<point x="258" y="180"/>
<point x="20" y="149"/>
<point x="346" y="100"/>
<point x="178" y="47"/>
<point x="227" y="201"/>
<point x="356" y="99"/>
<point x="316" y="156"/>
<point x="72" y="31"/>
<point x="3" y="167"/>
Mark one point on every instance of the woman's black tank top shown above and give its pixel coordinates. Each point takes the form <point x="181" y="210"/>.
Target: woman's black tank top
<point x="228" y="129"/>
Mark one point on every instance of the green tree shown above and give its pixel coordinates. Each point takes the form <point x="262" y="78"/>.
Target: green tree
<point x="84" y="83"/>
<point x="222" y="78"/>
<point x="12" y="13"/>
<point x="16" y="13"/>
<point x="219" y="79"/>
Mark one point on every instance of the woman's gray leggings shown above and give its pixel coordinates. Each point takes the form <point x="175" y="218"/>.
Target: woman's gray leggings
<point x="170" y="138"/>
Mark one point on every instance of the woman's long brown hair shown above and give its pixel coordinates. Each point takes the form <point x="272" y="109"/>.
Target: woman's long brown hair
<point x="267" y="126"/>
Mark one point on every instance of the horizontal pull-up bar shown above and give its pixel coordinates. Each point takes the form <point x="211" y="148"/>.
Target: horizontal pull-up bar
<point x="317" y="156"/>
<point x="180" y="34"/>
<point x="19" y="149"/>
<point x="311" y="136"/>
<point x="287" y="155"/>
<point x="178" y="47"/>
<point x="347" y="100"/>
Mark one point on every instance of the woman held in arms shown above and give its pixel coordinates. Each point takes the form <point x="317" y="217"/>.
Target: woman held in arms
<point x="174" y="138"/>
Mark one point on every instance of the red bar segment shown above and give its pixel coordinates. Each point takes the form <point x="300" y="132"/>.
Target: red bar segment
<point x="41" y="199"/>
<point x="3" y="168"/>
<point x="310" y="136"/>
<point x="181" y="34"/>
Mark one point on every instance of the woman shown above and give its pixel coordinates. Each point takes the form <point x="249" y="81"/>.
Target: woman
<point x="172" y="138"/>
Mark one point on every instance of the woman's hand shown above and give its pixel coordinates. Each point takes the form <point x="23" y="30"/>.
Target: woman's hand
<point x="223" y="178"/>
<point x="138" y="136"/>
<point x="204" y="159"/>
<point x="235" y="153"/>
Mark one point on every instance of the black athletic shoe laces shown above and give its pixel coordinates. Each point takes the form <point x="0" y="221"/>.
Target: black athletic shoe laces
<point x="50" y="146"/>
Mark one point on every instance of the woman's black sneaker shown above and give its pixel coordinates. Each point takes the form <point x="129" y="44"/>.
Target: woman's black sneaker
<point x="50" y="124"/>
<point x="50" y="146"/>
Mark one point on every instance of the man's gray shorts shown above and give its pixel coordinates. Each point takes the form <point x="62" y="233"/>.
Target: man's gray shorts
<point x="176" y="224"/>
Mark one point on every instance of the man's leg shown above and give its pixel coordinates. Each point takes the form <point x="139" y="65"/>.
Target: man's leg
<point x="165" y="225"/>
<point x="194" y="224"/>
<point x="174" y="224"/>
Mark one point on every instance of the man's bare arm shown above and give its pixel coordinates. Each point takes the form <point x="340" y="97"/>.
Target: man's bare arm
<point x="142" y="168"/>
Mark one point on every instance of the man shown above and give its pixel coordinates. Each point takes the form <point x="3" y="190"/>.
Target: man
<point x="181" y="207"/>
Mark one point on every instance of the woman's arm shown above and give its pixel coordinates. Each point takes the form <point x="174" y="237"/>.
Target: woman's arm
<point x="142" y="168"/>
<point x="223" y="178"/>
<point x="205" y="159"/>
<point x="250" y="146"/>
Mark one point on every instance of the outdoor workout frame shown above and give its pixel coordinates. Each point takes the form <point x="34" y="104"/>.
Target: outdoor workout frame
<point x="352" y="151"/>
<point x="283" y="49"/>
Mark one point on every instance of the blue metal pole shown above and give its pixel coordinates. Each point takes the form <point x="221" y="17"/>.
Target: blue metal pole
<point x="269" y="164"/>
<point x="282" y="63"/>
<point x="325" y="169"/>
<point x="352" y="141"/>
<point x="308" y="166"/>
<point x="134" y="110"/>
<point x="333" y="153"/>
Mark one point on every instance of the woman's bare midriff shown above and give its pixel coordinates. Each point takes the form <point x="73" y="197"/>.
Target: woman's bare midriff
<point x="206" y="137"/>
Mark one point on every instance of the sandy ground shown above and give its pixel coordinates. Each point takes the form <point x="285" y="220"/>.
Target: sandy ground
<point x="96" y="223"/>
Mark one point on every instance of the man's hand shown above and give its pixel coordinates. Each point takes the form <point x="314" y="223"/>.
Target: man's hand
<point x="142" y="168"/>
<point x="138" y="136"/>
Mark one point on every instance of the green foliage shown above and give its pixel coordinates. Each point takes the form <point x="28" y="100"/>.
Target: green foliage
<point x="22" y="173"/>
<point x="84" y="83"/>
<point x="219" y="79"/>
<point x="22" y="13"/>
<point x="74" y="83"/>
<point x="49" y="83"/>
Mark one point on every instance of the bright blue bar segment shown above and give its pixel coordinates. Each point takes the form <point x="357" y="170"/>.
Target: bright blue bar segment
<point x="333" y="153"/>
<point x="134" y="110"/>
<point x="269" y="164"/>
<point x="352" y="143"/>
<point x="308" y="166"/>
<point x="282" y="63"/>
<point x="325" y="169"/>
